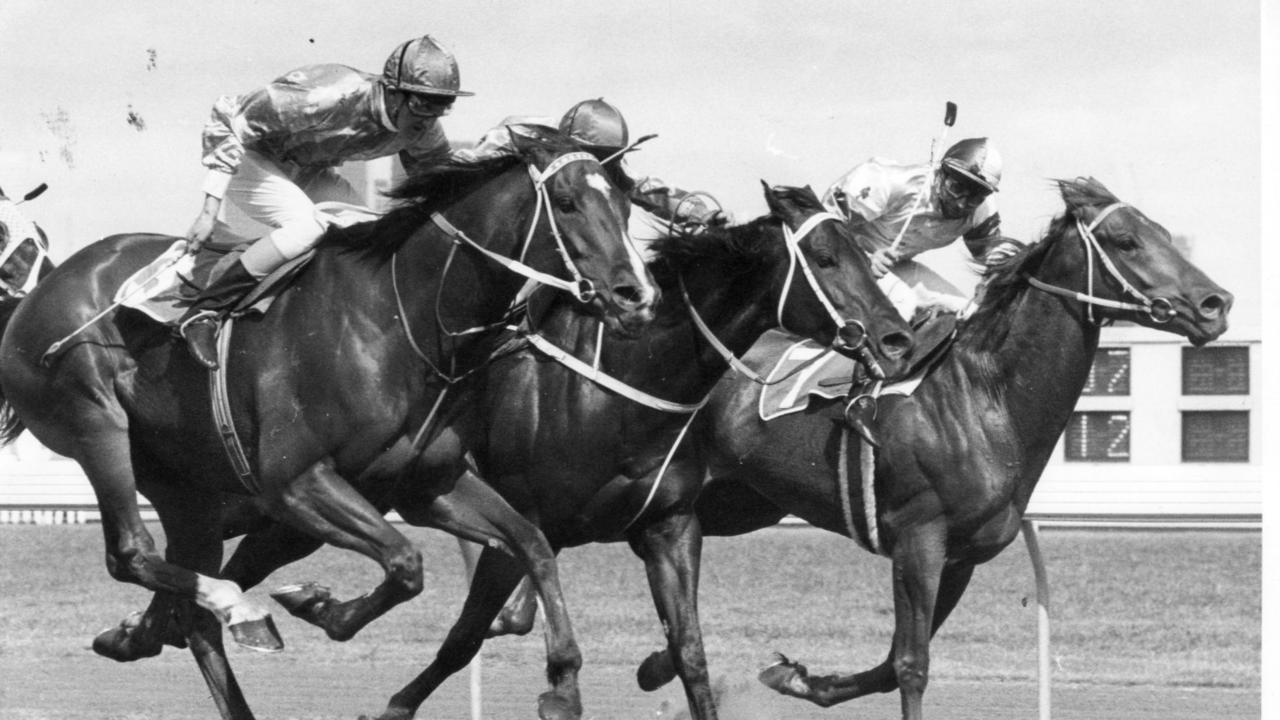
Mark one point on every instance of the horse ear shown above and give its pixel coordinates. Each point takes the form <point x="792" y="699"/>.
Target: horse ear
<point x="770" y="197"/>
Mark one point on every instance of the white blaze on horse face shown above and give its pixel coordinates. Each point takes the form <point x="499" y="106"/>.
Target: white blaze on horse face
<point x="601" y="184"/>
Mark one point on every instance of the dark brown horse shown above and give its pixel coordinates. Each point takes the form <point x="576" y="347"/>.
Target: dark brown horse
<point x="328" y="391"/>
<point x="591" y="462"/>
<point x="962" y="454"/>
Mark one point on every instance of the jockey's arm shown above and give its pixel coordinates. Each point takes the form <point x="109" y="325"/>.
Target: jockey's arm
<point x="988" y="245"/>
<point x="676" y="205"/>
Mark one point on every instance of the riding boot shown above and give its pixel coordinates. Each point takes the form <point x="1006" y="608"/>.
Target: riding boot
<point x="199" y="326"/>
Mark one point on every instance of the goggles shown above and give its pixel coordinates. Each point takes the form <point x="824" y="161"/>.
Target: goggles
<point x="963" y="190"/>
<point x="428" y="106"/>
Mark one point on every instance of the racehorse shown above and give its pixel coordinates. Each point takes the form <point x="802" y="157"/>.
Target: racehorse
<point x="962" y="454"/>
<point x="592" y="461"/>
<point x="586" y="460"/>
<point x="328" y="390"/>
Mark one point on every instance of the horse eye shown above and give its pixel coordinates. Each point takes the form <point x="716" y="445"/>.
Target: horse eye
<point x="1125" y="242"/>
<point x="564" y="203"/>
<point x="825" y="260"/>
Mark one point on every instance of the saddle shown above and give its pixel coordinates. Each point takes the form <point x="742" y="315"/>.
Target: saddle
<point x="166" y="287"/>
<point x="802" y="369"/>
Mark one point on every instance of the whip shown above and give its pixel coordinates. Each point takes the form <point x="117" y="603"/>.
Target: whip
<point x="948" y="119"/>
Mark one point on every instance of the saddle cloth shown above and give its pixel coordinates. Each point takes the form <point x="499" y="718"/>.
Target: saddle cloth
<point x="165" y="288"/>
<point x="829" y="376"/>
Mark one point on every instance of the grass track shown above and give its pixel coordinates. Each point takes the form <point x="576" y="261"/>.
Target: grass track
<point x="1146" y="624"/>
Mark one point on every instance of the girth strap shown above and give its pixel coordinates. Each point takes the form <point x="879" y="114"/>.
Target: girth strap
<point x="223" y="420"/>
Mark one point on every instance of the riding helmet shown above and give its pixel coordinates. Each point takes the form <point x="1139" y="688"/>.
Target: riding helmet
<point x="596" y="124"/>
<point x="422" y="65"/>
<point x="976" y="160"/>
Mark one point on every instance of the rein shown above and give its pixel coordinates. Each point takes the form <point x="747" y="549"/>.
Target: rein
<point x="1159" y="309"/>
<point x="580" y="287"/>
<point x="852" y="334"/>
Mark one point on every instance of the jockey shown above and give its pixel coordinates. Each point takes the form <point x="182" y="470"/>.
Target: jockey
<point x="878" y="198"/>
<point x="599" y="128"/>
<point x="23" y="248"/>
<point x="273" y="152"/>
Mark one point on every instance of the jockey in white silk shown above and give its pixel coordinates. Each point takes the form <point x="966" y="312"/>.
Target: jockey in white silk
<point x="879" y="198"/>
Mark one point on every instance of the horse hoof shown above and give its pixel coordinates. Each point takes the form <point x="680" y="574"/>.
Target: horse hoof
<point x="786" y="677"/>
<point x="302" y="600"/>
<point x="656" y="670"/>
<point x="119" y="643"/>
<point x="554" y="707"/>
<point x="260" y="635"/>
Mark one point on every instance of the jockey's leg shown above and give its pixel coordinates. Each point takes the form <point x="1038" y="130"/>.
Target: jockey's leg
<point x="265" y="193"/>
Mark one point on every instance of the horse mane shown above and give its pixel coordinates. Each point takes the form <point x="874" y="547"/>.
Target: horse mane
<point x="734" y="249"/>
<point x="1006" y="280"/>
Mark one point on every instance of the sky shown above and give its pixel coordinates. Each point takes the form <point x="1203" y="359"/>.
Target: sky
<point x="1158" y="99"/>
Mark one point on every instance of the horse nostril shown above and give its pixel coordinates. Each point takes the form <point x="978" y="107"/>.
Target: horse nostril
<point x="631" y="296"/>
<point x="896" y="344"/>
<point x="1214" y="305"/>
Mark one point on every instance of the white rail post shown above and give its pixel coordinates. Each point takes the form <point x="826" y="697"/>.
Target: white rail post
<point x="470" y="556"/>
<point x="1031" y="533"/>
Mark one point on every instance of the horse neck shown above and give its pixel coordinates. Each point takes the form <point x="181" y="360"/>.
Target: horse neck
<point x="671" y="359"/>
<point x="472" y="288"/>
<point x="1035" y="370"/>
<point x="737" y="312"/>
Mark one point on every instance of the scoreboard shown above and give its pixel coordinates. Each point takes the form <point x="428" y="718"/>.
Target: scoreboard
<point x="1199" y="397"/>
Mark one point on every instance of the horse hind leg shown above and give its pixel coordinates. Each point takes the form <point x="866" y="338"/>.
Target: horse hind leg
<point x="792" y="678"/>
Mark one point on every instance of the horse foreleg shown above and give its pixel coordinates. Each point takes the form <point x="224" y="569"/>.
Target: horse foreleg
<point x="142" y="634"/>
<point x="496" y="574"/>
<point x="672" y="550"/>
<point x="324" y="505"/>
<point x="196" y="541"/>
<point x="104" y="455"/>
<point x="517" y="615"/>
<point x="474" y="511"/>
<point x="205" y="639"/>
<point x="919" y="554"/>
<point x="792" y="678"/>
<point x="264" y="551"/>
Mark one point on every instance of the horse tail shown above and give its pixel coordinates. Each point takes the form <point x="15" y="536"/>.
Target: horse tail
<point x="10" y="426"/>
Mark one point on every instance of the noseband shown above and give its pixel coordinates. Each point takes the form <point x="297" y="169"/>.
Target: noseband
<point x="1159" y="310"/>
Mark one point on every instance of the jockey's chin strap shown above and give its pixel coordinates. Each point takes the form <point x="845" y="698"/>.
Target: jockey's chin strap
<point x="1159" y="309"/>
<point x="852" y="334"/>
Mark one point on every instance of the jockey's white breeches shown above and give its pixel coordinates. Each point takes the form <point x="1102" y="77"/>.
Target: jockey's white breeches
<point x="284" y="197"/>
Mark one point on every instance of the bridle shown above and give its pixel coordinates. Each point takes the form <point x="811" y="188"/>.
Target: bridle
<point x="580" y="287"/>
<point x="1160" y="310"/>
<point x="851" y="335"/>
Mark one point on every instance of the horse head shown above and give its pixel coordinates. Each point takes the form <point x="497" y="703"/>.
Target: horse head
<point x="838" y="298"/>
<point x="1123" y="266"/>
<point x="587" y="215"/>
